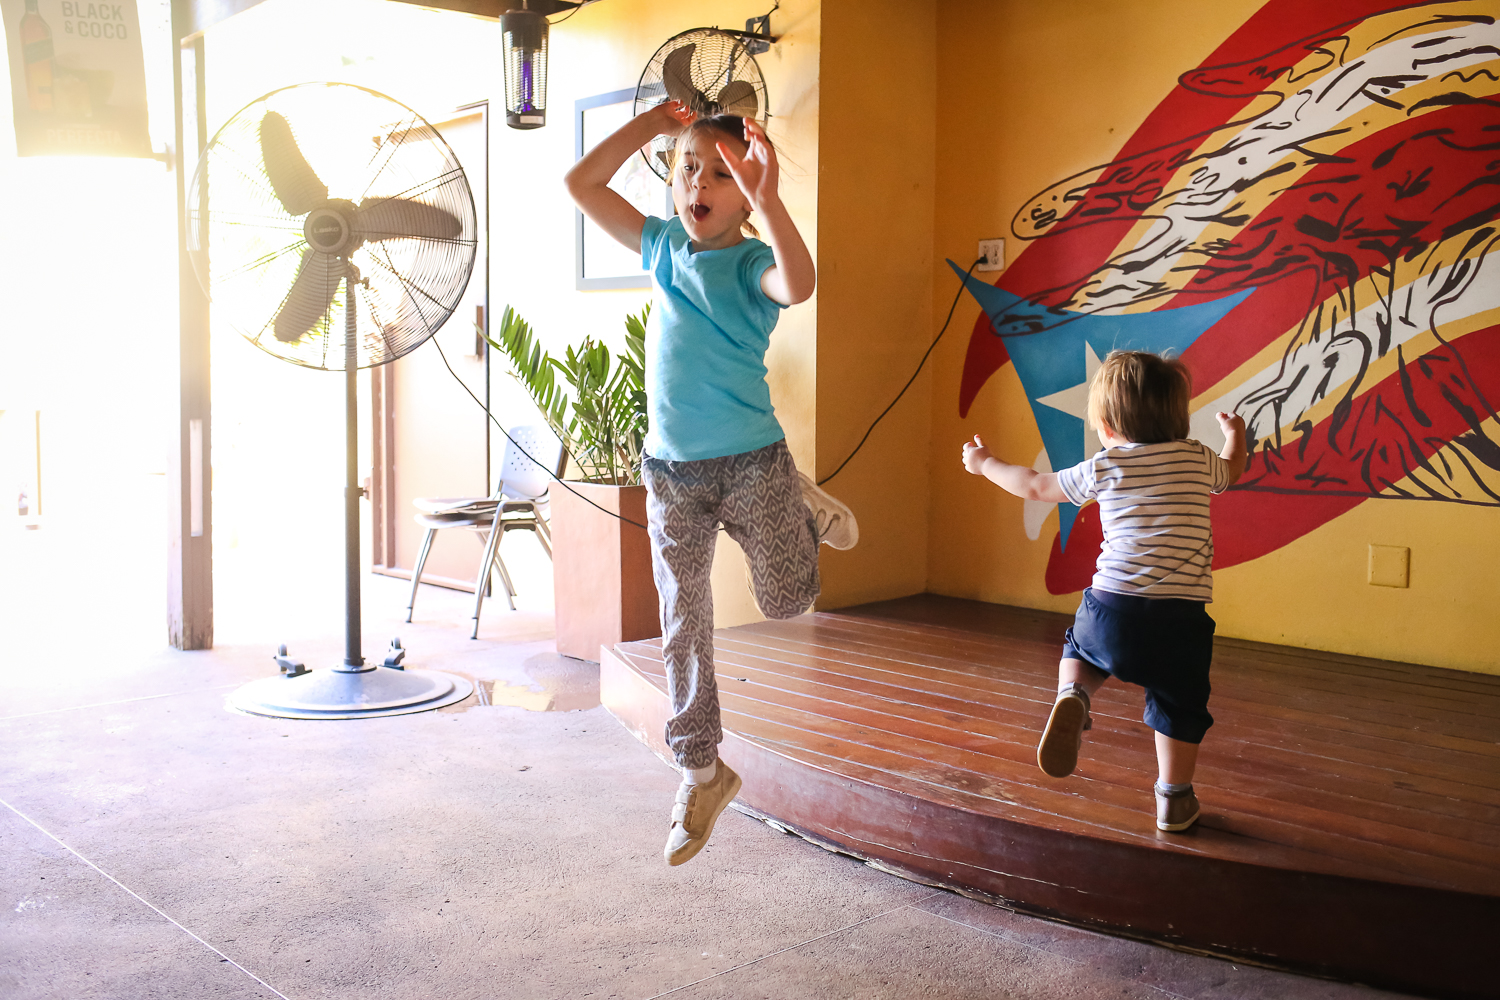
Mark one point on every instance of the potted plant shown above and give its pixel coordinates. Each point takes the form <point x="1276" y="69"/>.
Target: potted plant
<point x="596" y="404"/>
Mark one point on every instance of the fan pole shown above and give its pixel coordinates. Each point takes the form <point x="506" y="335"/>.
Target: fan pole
<point x="353" y="655"/>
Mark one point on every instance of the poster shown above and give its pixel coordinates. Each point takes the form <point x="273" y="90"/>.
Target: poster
<point x="77" y="78"/>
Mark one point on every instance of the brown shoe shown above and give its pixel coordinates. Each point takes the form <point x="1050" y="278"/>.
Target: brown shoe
<point x="1057" y="754"/>
<point x="697" y="809"/>
<point x="1176" y="811"/>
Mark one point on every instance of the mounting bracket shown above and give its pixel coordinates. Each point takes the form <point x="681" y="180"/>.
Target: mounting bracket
<point x="757" y="34"/>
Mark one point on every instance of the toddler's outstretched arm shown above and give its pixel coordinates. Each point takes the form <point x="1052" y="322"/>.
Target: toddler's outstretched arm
<point x="588" y="181"/>
<point x="794" y="275"/>
<point x="1028" y="484"/>
<point x="1234" y="451"/>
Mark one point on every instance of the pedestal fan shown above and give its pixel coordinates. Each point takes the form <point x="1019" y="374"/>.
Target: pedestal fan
<point x="305" y="193"/>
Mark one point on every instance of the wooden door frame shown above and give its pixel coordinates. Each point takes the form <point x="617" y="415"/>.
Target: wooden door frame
<point x="381" y="485"/>
<point x="190" y="578"/>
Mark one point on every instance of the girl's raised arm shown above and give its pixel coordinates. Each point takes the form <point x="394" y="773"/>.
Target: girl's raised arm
<point x="588" y="181"/>
<point x="793" y="277"/>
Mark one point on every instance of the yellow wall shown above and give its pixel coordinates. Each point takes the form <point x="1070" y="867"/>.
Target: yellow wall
<point x="875" y="217"/>
<point x="865" y="175"/>
<point x="1077" y="78"/>
<point x="603" y="48"/>
<point x="836" y="360"/>
<point x="942" y="118"/>
<point x="922" y="159"/>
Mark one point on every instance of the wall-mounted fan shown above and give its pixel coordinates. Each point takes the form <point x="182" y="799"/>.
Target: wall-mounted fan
<point x="710" y="70"/>
<point x="333" y="227"/>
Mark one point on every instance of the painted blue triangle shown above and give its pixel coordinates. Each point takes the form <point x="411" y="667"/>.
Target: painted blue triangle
<point x="1046" y="347"/>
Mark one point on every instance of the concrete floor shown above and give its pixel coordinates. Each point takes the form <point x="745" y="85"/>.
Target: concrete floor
<point x="155" y="845"/>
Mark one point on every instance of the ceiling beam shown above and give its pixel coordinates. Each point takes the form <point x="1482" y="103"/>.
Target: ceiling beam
<point x="494" y="8"/>
<point x="190" y="17"/>
<point x="483" y="8"/>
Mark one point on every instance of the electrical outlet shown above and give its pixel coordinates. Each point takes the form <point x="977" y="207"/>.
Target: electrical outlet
<point x="991" y="255"/>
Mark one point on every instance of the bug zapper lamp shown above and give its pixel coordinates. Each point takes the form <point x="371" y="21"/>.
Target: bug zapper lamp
<point x="525" y="40"/>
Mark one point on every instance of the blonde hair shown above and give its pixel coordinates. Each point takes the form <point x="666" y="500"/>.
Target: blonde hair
<point x="1142" y="397"/>
<point x="729" y="126"/>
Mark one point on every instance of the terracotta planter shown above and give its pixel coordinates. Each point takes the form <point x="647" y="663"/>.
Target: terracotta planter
<point x="601" y="568"/>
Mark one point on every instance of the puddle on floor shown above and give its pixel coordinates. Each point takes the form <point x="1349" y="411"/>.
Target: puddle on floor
<point x="554" y="683"/>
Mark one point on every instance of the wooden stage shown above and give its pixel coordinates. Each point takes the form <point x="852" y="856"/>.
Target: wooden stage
<point x="1351" y="807"/>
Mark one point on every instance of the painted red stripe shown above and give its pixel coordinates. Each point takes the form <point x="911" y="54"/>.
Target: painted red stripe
<point x="1281" y="26"/>
<point x="1237" y="67"/>
<point x="1383" y="194"/>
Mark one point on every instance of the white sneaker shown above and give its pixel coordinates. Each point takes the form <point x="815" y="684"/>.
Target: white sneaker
<point x="696" y="811"/>
<point x="835" y="522"/>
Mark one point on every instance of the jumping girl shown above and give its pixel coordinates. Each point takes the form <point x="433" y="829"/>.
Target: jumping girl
<point x="715" y="453"/>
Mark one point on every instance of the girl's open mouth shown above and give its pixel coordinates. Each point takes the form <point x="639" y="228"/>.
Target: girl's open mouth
<point x="699" y="212"/>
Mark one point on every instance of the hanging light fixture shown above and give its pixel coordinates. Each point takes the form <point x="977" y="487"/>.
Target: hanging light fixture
<point x="525" y="40"/>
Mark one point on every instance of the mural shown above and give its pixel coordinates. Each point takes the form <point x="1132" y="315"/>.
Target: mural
<point x="1310" y="221"/>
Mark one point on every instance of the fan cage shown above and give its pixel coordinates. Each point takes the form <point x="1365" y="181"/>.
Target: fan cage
<point x="374" y="154"/>
<point x="719" y="59"/>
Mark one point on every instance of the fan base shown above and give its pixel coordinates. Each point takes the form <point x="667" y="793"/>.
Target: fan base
<point x="340" y="694"/>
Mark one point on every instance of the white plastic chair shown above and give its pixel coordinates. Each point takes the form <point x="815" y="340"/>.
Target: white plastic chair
<point x="519" y="502"/>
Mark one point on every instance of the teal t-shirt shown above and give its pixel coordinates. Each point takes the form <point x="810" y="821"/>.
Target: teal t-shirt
<point x="706" y="345"/>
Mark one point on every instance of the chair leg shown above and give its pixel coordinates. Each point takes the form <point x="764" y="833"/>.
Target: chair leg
<point x="491" y="553"/>
<point x="510" y="588"/>
<point x="489" y="584"/>
<point x="544" y="535"/>
<point x="416" y="576"/>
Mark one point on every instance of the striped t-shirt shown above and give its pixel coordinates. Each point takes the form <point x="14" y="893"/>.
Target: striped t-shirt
<point x="1153" y="506"/>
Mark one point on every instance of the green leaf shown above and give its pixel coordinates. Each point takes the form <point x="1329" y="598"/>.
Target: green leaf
<point x="603" y="423"/>
<point x="533" y="369"/>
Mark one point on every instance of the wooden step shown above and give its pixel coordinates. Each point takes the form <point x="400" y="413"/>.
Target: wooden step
<point x="1351" y="819"/>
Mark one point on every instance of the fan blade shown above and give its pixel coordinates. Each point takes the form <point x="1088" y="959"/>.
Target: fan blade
<point x="738" y="98"/>
<point x="318" y="277"/>
<point x="677" y="74"/>
<point x="296" y="185"/>
<point x="394" y="218"/>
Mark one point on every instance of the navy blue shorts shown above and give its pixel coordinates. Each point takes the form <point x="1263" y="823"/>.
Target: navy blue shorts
<point x="1163" y="644"/>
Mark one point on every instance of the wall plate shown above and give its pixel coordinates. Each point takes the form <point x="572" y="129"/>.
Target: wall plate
<point x="991" y="255"/>
<point x="1390" y="566"/>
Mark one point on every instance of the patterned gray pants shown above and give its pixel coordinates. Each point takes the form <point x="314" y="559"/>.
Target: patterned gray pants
<point x="758" y="499"/>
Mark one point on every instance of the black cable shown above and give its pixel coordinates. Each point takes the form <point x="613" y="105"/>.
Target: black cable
<point x="523" y="451"/>
<point x="871" y="430"/>
<point x="575" y="10"/>
<point x="908" y="381"/>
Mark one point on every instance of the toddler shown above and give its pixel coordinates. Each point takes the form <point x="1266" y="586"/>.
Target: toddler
<point x="1144" y="620"/>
